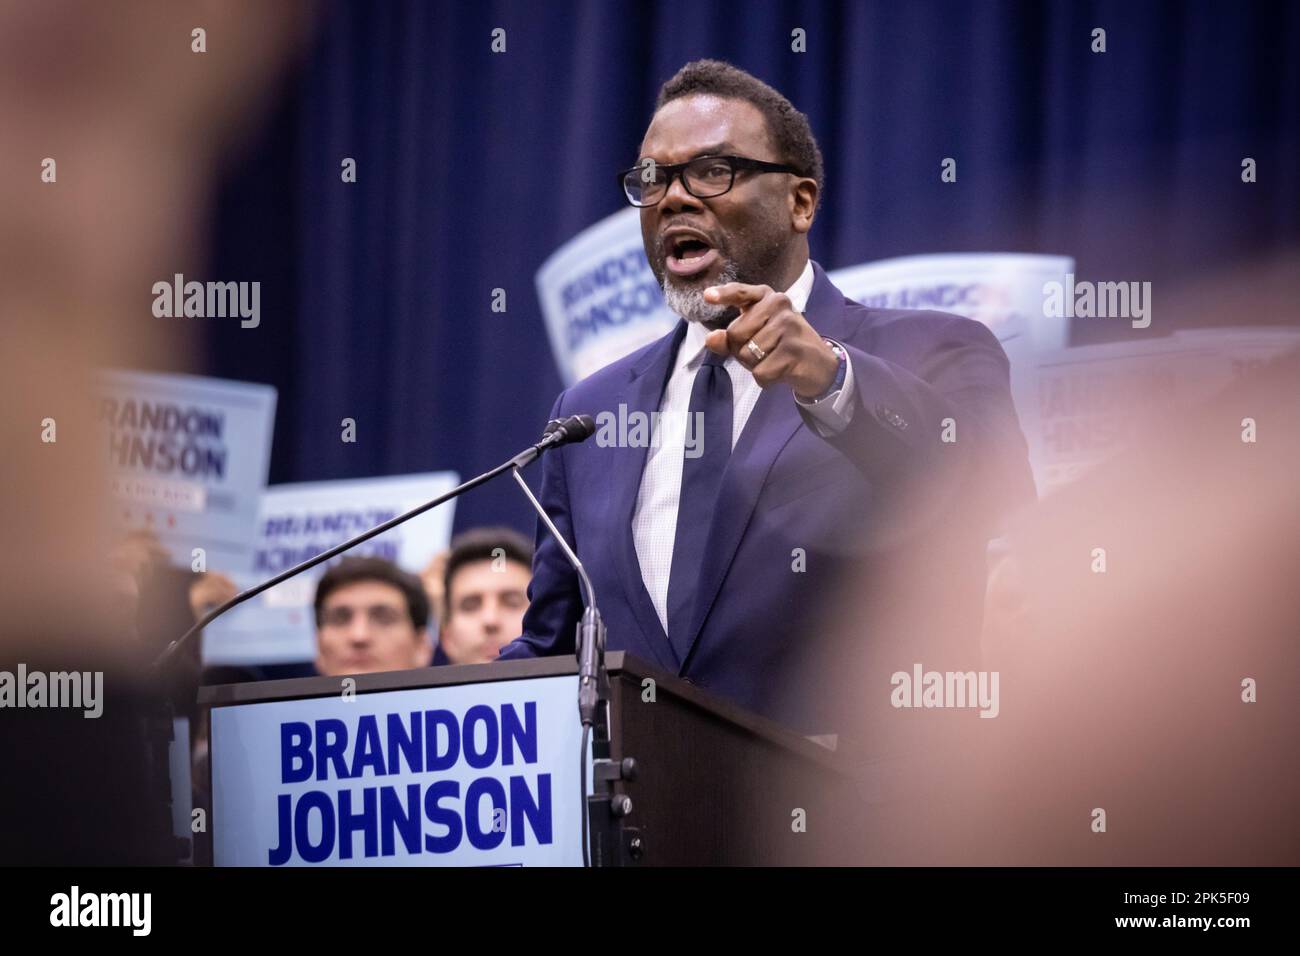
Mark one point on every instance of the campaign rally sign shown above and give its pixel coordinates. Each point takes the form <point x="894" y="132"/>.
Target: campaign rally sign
<point x="1092" y="401"/>
<point x="480" y="774"/>
<point x="599" y="297"/>
<point x="299" y="521"/>
<point x="1002" y="290"/>
<point x="188" y="459"/>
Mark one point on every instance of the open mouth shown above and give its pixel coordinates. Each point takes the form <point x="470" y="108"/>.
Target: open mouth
<point x="688" y="256"/>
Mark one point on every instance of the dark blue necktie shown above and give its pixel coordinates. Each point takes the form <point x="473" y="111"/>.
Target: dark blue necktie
<point x="711" y="407"/>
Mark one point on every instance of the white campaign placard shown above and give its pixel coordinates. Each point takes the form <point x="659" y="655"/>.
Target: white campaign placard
<point x="480" y="774"/>
<point x="188" y="459"/>
<point x="299" y="521"/>
<point x="1091" y="401"/>
<point x="599" y="297"/>
<point x="1003" y="290"/>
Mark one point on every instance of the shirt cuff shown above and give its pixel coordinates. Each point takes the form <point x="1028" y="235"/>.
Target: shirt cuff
<point x="833" y="413"/>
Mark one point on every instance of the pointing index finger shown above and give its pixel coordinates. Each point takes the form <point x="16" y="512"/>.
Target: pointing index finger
<point x="735" y="293"/>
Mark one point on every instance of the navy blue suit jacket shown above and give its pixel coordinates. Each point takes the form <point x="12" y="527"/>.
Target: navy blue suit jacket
<point x="799" y="516"/>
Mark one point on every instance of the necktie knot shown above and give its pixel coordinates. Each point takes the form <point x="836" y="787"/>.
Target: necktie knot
<point x="713" y="358"/>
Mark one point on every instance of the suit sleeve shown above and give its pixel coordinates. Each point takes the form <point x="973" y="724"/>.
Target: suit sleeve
<point x="554" y="597"/>
<point x="960" y="390"/>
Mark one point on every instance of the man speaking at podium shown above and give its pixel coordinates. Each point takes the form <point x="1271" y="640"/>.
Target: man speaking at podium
<point x="802" y="442"/>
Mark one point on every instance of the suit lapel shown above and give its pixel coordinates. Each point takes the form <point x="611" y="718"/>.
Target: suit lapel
<point x="771" y="425"/>
<point x="643" y="393"/>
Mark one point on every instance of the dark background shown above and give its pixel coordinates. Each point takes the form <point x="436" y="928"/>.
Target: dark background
<point x="473" y="167"/>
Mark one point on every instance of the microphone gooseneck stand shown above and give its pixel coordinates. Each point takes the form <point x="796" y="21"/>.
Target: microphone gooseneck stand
<point x="609" y="843"/>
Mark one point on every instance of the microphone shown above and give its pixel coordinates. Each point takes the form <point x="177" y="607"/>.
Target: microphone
<point x="558" y="431"/>
<point x="575" y="428"/>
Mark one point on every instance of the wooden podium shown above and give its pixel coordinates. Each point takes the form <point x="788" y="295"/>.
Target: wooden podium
<point x="300" y="773"/>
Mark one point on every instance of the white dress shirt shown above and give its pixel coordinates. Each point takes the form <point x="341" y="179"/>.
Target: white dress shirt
<point x="654" y="521"/>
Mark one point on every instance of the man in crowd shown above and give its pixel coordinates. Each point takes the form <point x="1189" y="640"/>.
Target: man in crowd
<point x="370" y="616"/>
<point x="484" y="585"/>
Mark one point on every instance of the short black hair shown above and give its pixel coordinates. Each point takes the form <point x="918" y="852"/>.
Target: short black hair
<point x="351" y="570"/>
<point x="479" y="544"/>
<point x="791" y="134"/>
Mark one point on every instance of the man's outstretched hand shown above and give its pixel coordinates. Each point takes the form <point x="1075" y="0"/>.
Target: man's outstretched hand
<point x="792" y="350"/>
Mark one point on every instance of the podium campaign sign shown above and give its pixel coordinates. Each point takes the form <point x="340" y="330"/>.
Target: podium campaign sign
<point x="480" y="774"/>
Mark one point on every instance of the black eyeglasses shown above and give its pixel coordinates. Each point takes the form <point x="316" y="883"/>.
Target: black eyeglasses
<point x="704" y="177"/>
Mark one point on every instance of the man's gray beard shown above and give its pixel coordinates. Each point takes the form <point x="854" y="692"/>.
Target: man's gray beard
<point x="690" y="303"/>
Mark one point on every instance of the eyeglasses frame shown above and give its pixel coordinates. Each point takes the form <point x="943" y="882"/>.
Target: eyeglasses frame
<point x="674" y="170"/>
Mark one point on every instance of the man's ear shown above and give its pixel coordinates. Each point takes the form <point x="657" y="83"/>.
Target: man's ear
<point x="803" y="204"/>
